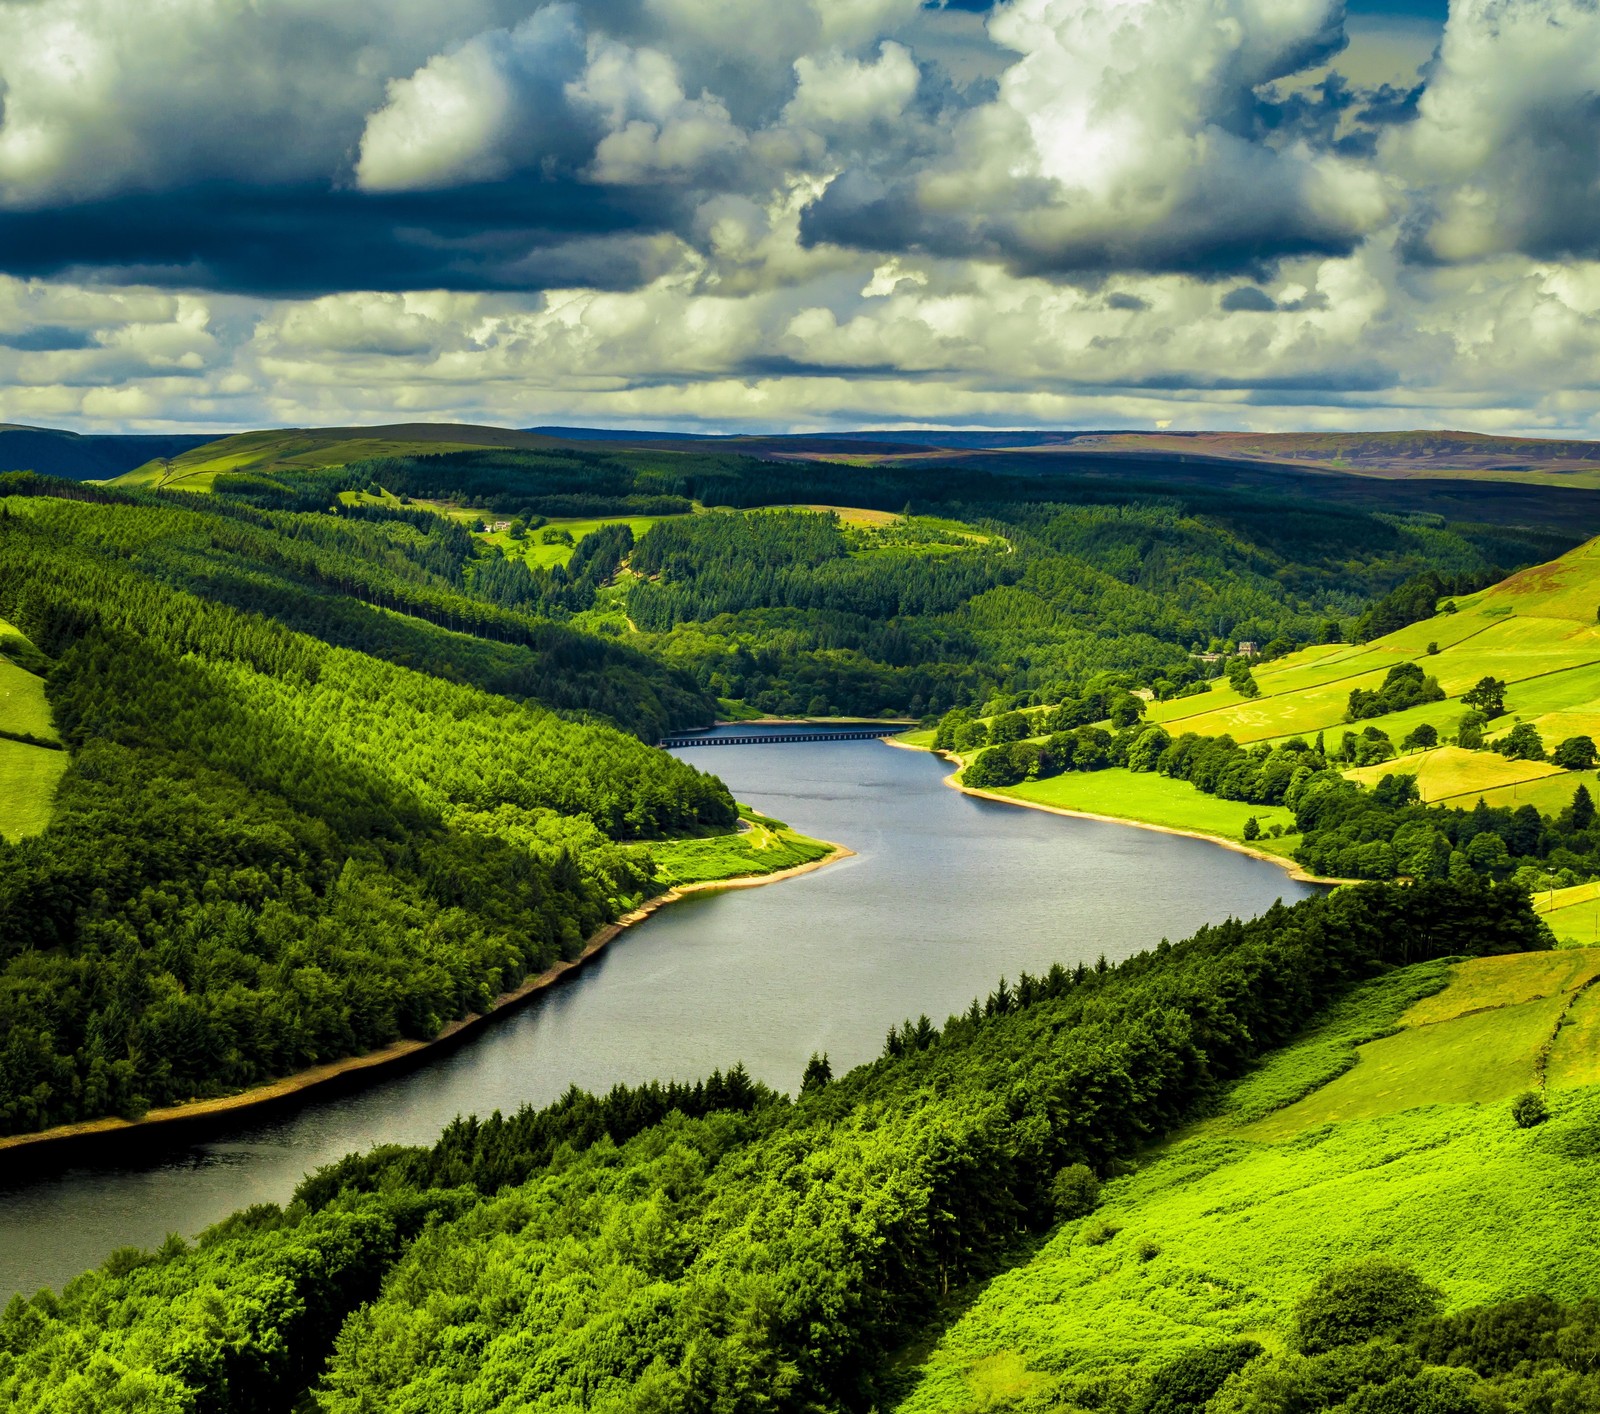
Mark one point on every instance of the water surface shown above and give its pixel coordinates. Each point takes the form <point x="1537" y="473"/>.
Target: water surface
<point x="945" y="895"/>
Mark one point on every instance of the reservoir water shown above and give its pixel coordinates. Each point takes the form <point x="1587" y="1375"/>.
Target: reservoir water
<point x="944" y="896"/>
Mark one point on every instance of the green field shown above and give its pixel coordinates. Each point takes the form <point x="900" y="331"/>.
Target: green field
<point x="1215" y="1233"/>
<point x="539" y="555"/>
<point x="1573" y="914"/>
<point x="1154" y="800"/>
<point x="1447" y="772"/>
<point x="23" y="708"/>
<point x="1536" y="631"/>
<point x="760" y="846"/>
<point x="29" y="776"/>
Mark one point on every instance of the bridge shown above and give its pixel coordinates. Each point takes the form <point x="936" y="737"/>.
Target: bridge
<point x="773" y="738"/>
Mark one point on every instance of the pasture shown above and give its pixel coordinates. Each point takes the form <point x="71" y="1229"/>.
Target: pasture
<point x="29" y="776"/>
<point x="760" y="845"/>
<point x="1156" y="800"/>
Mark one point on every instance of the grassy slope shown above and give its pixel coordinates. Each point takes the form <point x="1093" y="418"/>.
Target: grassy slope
<point x="297" y="448"/>
<point x="29" y="774"/>
<point x="1536" y="631"/>
<point x="23" y="709"/>
<point x="1154" y="800"/>
<point x="1434" y="1173"/>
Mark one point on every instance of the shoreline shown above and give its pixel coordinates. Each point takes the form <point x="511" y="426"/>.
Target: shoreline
<point x="1293" y="868"/>
<point x="371" y="1065"/>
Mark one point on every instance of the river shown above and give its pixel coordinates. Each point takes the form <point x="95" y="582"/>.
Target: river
<point x="944" y="896"/>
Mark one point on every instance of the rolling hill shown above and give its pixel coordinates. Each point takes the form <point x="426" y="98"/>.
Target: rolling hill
<point x="77" y="457"/>
<point x="313" y="448"/>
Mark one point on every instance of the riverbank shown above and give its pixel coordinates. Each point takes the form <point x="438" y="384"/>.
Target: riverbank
<point x="168" y="1121"/>
<point x="1293" y="868"/>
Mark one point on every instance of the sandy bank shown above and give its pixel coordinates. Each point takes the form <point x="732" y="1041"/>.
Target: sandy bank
<point x="372" y="1065"/>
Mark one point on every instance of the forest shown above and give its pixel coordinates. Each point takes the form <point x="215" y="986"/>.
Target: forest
<point x="1069" y="575"/>
<point x="718" y="1247"/>
<point x="298" y="825"/>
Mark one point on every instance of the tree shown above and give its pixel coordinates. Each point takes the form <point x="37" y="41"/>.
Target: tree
<point x="1488" y="854"/>
<point x="1522" y="743"/>
<point x="1252" y="828"/>
<point x="817" y="1074"/>
<point x="1371" y="1296"/>
<point x="1421" y="737"/>
<point x="1008" y="726"/>
<point x="1074" y="1191"/>
<point x="1576" y="753"/>
<point x="1242" y="679"/>
<point x="1488" y="694"/>
<point x="1469" y="733"/>
<point x="1529" y="1110"/>
<point x="1582" y="808"/>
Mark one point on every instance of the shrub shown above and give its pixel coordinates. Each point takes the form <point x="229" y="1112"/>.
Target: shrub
<point x="1359" y="1300"/>
<point x="1529" y="1109"/>
<point x="1075" y="1191"/>
<point x="1188" y="1382"/>
<point x="1100" y="1233"/>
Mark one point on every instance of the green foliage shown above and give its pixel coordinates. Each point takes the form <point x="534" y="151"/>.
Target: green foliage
<point x="1184" y="1385"/>
<point x="1404" y="685"/>
<point x="1488" y="694"/>
<point x="1529" y="1110"/>
<point x="1576" y="753"/>
<point x="1074" y="1191"/>
<point x="270" y="851"/>
<point x="1360" y="1300"/>
<point x="1521" y="743"/>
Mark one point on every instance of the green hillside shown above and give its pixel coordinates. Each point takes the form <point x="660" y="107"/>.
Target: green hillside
<point x="1404" y="1146"/>
<point x="301" y="449"/>
<point x="1536" y="631"/>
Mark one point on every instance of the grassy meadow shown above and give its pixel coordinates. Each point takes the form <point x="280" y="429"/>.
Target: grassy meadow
<point x="1404" y="1146"/>
<point x="311" y="449"/>
<point x="1154" y="800"/>
<point x="29" y="773"/>
<point x="759" y="846"/>
<point x="29" y="776"/>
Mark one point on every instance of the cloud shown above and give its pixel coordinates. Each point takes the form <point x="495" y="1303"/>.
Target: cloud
<point x="836" y="92"/>
<point x="822" y="213"/>
<point x="1505" y="152"/>
<point x="655" y="132"/>
<point x="1124" y="137"/>
<point x="479" y="111"/>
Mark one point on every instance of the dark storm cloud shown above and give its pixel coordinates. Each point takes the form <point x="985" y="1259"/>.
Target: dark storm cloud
<point x="312" y="241"/>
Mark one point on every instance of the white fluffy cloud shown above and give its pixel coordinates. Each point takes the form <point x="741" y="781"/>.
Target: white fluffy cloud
<point x="1505" y="154"/>
<point x="828" y="212"/>
<point x="476" y="112"/>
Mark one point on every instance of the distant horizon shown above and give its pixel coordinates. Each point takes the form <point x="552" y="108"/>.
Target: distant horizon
<point x="210" y="434"/>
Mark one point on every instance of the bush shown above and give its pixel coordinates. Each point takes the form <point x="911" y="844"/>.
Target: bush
<point x="1359" y="1300"/>
<point x="1188" y="1382"/>
<point x="1529" y="1109"/>
<point x="1100" y="1233"/>
<point x="1252" y="828"/>
<point x="1075" y="1191"/>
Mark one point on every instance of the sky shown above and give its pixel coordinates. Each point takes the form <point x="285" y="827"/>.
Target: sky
<point x="740" y="215"/>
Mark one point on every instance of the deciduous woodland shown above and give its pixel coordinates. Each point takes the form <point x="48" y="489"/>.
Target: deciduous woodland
<point x="351" y="750"/>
